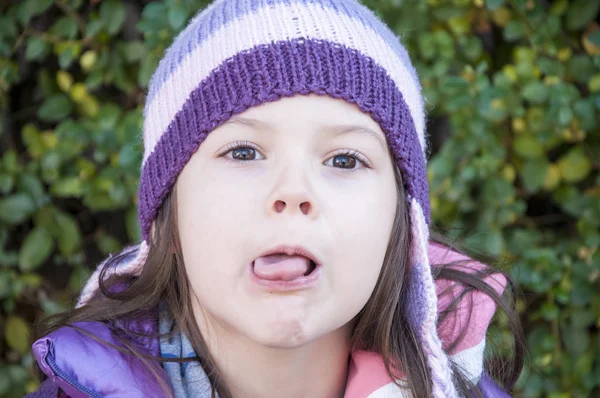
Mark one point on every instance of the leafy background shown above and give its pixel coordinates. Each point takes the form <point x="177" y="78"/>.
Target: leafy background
<point x="513" y="91"/>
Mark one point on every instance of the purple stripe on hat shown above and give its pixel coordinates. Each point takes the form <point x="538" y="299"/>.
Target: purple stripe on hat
<point x="257" y="76"/>
<point x="223" y="12"/>
<point x="417" y="307"/>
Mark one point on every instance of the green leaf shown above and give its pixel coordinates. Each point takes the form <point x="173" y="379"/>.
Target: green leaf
<point x="154" y="13"/>
<point x="77" y="280"/>
<point x="93" y="27"/>
<point x="535" y="92"/>
<point x="586" y="113"/>
<point x="565" y="115"/>
<point x="559" y="7"/>
<point x="514" y="30"/>
<point x="472" y="47"/>
<point x="67" y="52"/>
<point x="5" y="283"/>
<point x="528" y="146"/>
<point x="8" y="27"/>
<point x="108" y="244"/>
<point x="35" y="249"/>
<point x="551" y="67"/>
<point x="134" y="51"/>
<point x="453" y="84"/>
<point x="574" y="166"/>
<point x="9" y="72"/>
<point x="581" y="68"/>
<point x="32" y="140"/>
<point x="581" y="12"/>
<point x="493" y="4"/>
<point x="132" y="225"/>
<point x="16" y="331"/>
<point x="69" y="236"/>
<point x="16" y="208"/>
<point x="67" y="187"/>
<point x="147" y="67"/>
<point x="534" y="174"/>
<point x="30" y="8"/>
<point x="6" y="183"/>
<point x="177" y="16"/>
<point x="54" y="108"/>
<point x="427" y="45"/>
<point x="10" y="161"/>
<point x="112" y="14"/>
<point x="31" y="184"/>
<point x="594" y="38"/>
<point x="65" y="27"/>
<point x="37" y="49"/>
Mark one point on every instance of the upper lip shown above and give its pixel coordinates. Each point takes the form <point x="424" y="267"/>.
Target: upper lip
<point x="292" y="250"/>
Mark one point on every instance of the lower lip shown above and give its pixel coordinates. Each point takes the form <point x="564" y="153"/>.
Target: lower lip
<point x="304" y="282"/>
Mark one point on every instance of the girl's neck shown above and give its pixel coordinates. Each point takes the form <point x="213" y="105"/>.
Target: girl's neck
<point x="249" y="369"/>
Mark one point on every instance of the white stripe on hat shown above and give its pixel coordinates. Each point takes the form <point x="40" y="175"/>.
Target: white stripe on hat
<point x="268" y="24"/>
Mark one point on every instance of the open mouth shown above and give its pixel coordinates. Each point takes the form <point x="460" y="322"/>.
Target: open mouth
<point x="311" y="267"/>
<point x="283" y="271"/>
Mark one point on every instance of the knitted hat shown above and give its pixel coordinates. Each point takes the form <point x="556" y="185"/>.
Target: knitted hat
<point x="237" y="54"/>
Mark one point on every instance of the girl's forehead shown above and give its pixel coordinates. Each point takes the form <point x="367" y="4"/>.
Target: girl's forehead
<point x="310" y="110"/>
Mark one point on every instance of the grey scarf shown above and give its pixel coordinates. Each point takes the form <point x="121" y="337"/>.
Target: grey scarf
<point x="187" y="378"/>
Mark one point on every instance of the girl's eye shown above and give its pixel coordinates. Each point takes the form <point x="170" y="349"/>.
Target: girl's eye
<point x="348" y="160"/>
<point x="241" y="152"/>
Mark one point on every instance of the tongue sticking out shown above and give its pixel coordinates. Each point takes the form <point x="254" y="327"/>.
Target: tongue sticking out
<point x="281" y="267"/>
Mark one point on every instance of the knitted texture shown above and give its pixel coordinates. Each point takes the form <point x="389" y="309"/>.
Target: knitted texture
<point x="237" y="54"/>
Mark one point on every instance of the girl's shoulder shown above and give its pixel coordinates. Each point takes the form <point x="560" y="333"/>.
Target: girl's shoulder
<point x="473" y="310"/>
<point x="465" y="313"/>
<point x="88" y="358"/>
<point x="462" y="332"/>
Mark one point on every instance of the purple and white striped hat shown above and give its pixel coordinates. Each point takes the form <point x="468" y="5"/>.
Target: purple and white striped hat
<point x="237" y="54"/>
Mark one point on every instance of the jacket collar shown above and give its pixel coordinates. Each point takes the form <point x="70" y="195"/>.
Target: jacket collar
<point x="84" y="367"/>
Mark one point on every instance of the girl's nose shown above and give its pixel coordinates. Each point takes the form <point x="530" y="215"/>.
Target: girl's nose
<point x="280" y="206"/>
<point x="293" y="193"/>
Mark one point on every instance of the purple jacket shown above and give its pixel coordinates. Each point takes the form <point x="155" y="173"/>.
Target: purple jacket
<point x="78" y="366"/>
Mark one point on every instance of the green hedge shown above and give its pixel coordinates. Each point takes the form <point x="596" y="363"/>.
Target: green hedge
<point x="513" y="93"/>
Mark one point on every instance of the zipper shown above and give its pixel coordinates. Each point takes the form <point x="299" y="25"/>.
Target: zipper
<point x="57" y="371"/>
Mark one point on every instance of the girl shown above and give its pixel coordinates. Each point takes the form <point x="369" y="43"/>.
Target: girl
<point x="284" y="210"/>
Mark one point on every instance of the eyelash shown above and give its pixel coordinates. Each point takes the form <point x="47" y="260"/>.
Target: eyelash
<point x="347" y="152"/>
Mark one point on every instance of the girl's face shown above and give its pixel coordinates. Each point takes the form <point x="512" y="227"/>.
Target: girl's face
<point x="309" y="171"/>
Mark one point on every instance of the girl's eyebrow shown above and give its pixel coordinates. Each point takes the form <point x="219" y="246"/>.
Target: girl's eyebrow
<point x="248" y="122"/>
<point x="344" y="129"/>
<point x="334" y="130"/>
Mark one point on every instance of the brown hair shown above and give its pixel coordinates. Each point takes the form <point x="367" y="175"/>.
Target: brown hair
<point x="381" y="326"/>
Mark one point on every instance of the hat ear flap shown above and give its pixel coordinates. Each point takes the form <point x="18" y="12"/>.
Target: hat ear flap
<point x="423" y="307"/>
<point x="131" y="266"/>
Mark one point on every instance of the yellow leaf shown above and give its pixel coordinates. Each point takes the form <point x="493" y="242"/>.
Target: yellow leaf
<point x="552" y="177"/>
<point x="518" y="124"/>
<point x="511" y="72"/>
<point x="89" y="106"/>
<point x="78" y="92"/>
<point x="49" y="139"/>
<point x="551" y="80"/>
<point x="574" y="166"/>
<point x="501" y="16"/>
<point x="17" y="334"/>
<point x="594" y="83"/>
<point x="88" y="60"/>
<point x="508" y="173"/>
<point x="564" y="54"/>
<point x="64" y="80"/>
<point x="589" y="46"/>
